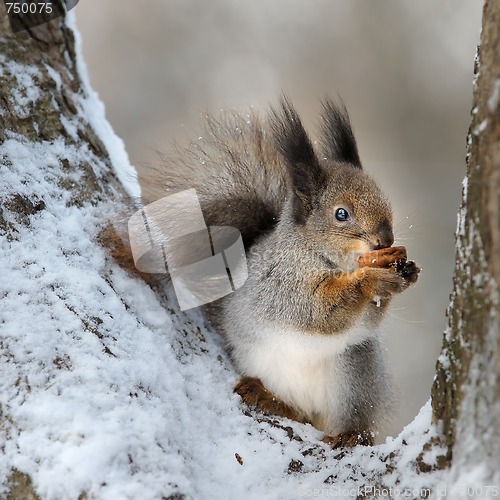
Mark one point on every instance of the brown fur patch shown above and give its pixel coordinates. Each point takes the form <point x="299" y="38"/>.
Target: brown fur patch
<point x="119" y="248"/>
<point x="340" y="299"/>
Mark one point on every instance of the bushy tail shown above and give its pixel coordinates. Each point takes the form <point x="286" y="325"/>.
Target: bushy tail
<point x="236" y="170"/>
<point x="241" y="165"/>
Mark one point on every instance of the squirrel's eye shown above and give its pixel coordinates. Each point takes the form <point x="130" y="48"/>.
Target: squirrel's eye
<point x="341" y="214"/>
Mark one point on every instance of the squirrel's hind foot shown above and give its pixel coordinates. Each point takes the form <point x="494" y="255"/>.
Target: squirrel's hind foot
<point x="257" y="397"/>
<point x="349" y="439"/>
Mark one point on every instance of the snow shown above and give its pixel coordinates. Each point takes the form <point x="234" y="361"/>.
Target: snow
<point x="26" y="76"/>
<point x="477" y="65"/>
<point x="494" y="97"/>
<point x="481" y="127"/>
<point x="107" y="388"/>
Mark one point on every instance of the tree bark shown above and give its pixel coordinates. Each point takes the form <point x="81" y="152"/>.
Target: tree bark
<point x="43" y="59"/>
<point x="50" y="46"/>
<point x="466" y="391"/>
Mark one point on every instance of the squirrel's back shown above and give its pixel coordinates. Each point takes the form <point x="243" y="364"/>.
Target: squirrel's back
<point x="236" y="169"/>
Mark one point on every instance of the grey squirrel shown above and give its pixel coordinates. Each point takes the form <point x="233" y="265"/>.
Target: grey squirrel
<point x="304" y="328"/>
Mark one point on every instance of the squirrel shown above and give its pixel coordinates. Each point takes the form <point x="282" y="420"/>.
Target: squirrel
<point x="303" y="330"/>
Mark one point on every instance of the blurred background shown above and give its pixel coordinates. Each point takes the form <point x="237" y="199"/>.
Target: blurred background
<point x="404" y="69"/>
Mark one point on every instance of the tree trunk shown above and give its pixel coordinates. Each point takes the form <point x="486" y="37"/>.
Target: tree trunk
<point x="42" y="59"/>
<point x="466" y="391"/>
<point x="109" y="391"/>
<point x="45" y="139"/>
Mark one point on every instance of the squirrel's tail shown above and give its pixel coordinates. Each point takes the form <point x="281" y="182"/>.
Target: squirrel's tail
<point x="236" y="170"/>
<point x="241" y="166"/>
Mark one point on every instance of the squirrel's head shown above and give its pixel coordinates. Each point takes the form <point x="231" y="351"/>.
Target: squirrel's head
<point x="334" y="204"/>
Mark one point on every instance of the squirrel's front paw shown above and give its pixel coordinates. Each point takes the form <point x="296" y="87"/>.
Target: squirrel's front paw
<point x="408" y="270"/>
<point x="388" y="270"/>
<point x="386" y="282"/>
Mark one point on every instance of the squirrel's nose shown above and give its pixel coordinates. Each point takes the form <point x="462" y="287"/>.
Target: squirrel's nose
<point x="384" y="237"/>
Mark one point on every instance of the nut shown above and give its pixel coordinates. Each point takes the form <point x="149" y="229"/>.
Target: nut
<point x="384" y="257"/>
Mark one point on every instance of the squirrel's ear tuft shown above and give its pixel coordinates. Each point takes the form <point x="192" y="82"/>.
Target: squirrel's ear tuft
<point x="337" y="137"/>
<point x="306" y="175"/>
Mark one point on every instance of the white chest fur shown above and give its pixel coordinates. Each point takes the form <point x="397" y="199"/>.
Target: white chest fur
<point x="302" y="369"/>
